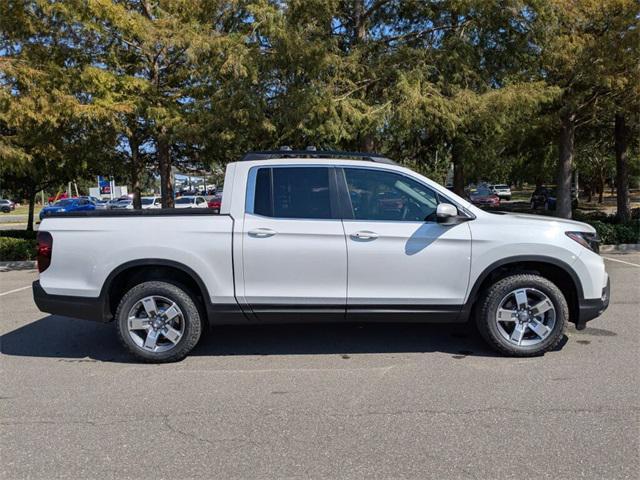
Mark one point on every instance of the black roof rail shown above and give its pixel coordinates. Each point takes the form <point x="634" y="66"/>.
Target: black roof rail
<point x="274" y="154"/>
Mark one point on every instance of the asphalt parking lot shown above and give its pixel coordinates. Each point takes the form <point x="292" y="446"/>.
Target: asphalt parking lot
<point x="374" y="401"/>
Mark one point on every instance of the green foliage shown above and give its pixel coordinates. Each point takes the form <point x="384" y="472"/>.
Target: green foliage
<point x="610" y="230"/>
<point x="612" y="233"/>
<point x="23" y="234"/>
<point x="118" y="87"/>
<point x="16" y="249"/>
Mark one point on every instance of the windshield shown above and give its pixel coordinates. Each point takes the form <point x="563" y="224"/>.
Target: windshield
<point x="502" y="187"/>
<point x="63" y="203"/>
<point x="184" y="201"/>
<point x="483" y="191"/>
<point x="147" y="201"/>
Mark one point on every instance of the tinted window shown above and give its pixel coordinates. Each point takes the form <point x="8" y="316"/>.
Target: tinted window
<point x="293" y="192"/>
<point x="184" y="201"/>
<point x="378" y="195"/>
<point x="263" y="204"/>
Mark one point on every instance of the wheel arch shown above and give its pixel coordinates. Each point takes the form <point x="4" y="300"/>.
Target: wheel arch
<point x="134" y="272"/>
<point x="550" y="268"/>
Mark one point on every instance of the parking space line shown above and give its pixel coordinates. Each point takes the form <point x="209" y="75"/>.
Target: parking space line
<point x="621" y="261"/>
<point x="14" y="291"/>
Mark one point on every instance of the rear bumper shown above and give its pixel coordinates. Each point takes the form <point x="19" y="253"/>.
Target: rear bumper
<point x="86" y="308"/>
<point x="592" y="308"/>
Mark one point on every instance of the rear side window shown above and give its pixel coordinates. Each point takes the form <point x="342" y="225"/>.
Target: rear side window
<point x="293" y="192"/>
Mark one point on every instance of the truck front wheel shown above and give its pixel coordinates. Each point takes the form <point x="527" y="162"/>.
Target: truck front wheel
<point x="158" y="322"/>
<point x="523" y="315"/>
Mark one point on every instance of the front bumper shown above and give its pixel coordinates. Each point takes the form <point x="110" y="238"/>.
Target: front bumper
<point x="86" y="308"/>
<point x="592" y="308"/>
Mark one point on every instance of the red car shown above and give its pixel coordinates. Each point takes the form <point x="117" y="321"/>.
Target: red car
<point x="58" y="196"/>
<point x="483" y="196"/>
<point x="215" y="202"/>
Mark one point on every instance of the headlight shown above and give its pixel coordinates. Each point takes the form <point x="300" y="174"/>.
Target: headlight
<point x="62" y="210"/>
<point x="586" y="239"/>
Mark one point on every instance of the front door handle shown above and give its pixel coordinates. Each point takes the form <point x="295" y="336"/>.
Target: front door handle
<point x="262" y="233"/>
<point x="364" y="235"/>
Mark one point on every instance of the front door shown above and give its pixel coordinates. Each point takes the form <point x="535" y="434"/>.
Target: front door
<point x="293" y="245"/>
<point x="400" y="260"/>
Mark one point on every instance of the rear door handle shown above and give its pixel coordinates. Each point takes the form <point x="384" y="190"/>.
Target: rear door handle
<point x="262" y="233"/>
<point x="364" y="235"/>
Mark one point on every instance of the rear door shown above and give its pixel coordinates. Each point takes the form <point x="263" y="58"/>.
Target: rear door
<point x="293" y="244"/>
<point x="400" y="260"/>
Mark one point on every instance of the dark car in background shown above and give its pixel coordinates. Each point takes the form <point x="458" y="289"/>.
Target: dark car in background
<point x="68" y="205"/>
<point x="545" y="197"/>
<point x="483" y="196"/>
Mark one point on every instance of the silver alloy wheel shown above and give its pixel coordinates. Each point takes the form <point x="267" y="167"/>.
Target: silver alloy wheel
<point x="155" y="324"/>
<point x="525" y="317"/>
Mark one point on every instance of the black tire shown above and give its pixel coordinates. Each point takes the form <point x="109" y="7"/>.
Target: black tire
<point x="489" y="304"/>
<point x="190" y="314"/>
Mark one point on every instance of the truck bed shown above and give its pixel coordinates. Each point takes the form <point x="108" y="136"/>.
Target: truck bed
<point x="89" y="246"/>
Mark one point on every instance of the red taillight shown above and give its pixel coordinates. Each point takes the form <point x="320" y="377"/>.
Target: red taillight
<point x="45" y="247"/>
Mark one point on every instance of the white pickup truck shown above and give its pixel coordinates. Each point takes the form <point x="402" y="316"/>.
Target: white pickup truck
<point x="321" y="236"/>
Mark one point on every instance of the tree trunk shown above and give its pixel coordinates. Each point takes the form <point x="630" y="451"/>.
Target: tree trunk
<point x="622" y="169"/>
<point x="458" y="170"/>
<point x="565" y="163"/>
<point x="164" y="161"/>
<point x="359" y="22"/>
<point x="366" y="143"/>
<point x="136" y="172"/>
<point x="601" y="187"/>
<point x="31" y="198"/>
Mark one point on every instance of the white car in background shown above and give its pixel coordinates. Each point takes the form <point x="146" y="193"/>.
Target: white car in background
<point x="502" y="191"/>
<point x="151" y="202"/>
<point x="191" y="201"/>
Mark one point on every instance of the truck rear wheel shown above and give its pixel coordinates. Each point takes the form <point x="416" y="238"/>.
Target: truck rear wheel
<point x="158" y="322"/>
<point x="523" y="315"/>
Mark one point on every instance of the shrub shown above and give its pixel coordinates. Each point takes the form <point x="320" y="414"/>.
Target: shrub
<point x="15" y="249"/>
<point x="615" y="233"/>
<point x="24" y="234"/>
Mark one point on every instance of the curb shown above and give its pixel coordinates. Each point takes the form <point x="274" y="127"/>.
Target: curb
<point x="623" y="247"/>
<point x="17" y="265"/>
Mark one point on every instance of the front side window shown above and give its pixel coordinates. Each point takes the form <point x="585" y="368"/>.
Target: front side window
<point x="381" y="195"/>
<point x="293" y="192"/>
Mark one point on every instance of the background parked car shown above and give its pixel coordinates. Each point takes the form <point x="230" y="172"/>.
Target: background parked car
<point x="123" y="204"/>
<point x="545" y="197"/>
<point x="151" y="202"/>
<point x="113" y="202"/>
<point x="215" y="202"/>
<point x="101" y="205"/>
<point x="191" y="201"/>
<point x="68" y="205"/>
<point x="57" y="197"/>
<point x="484" y="196"/>
<point x="6" y="206"/>
<point x="502" y="190"/>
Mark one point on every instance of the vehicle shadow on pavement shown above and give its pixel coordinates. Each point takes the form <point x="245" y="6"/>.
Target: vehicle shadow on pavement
<point x="60" y="337"/>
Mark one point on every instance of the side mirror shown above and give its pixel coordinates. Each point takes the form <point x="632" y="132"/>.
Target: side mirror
<point x="445" y="212"/>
